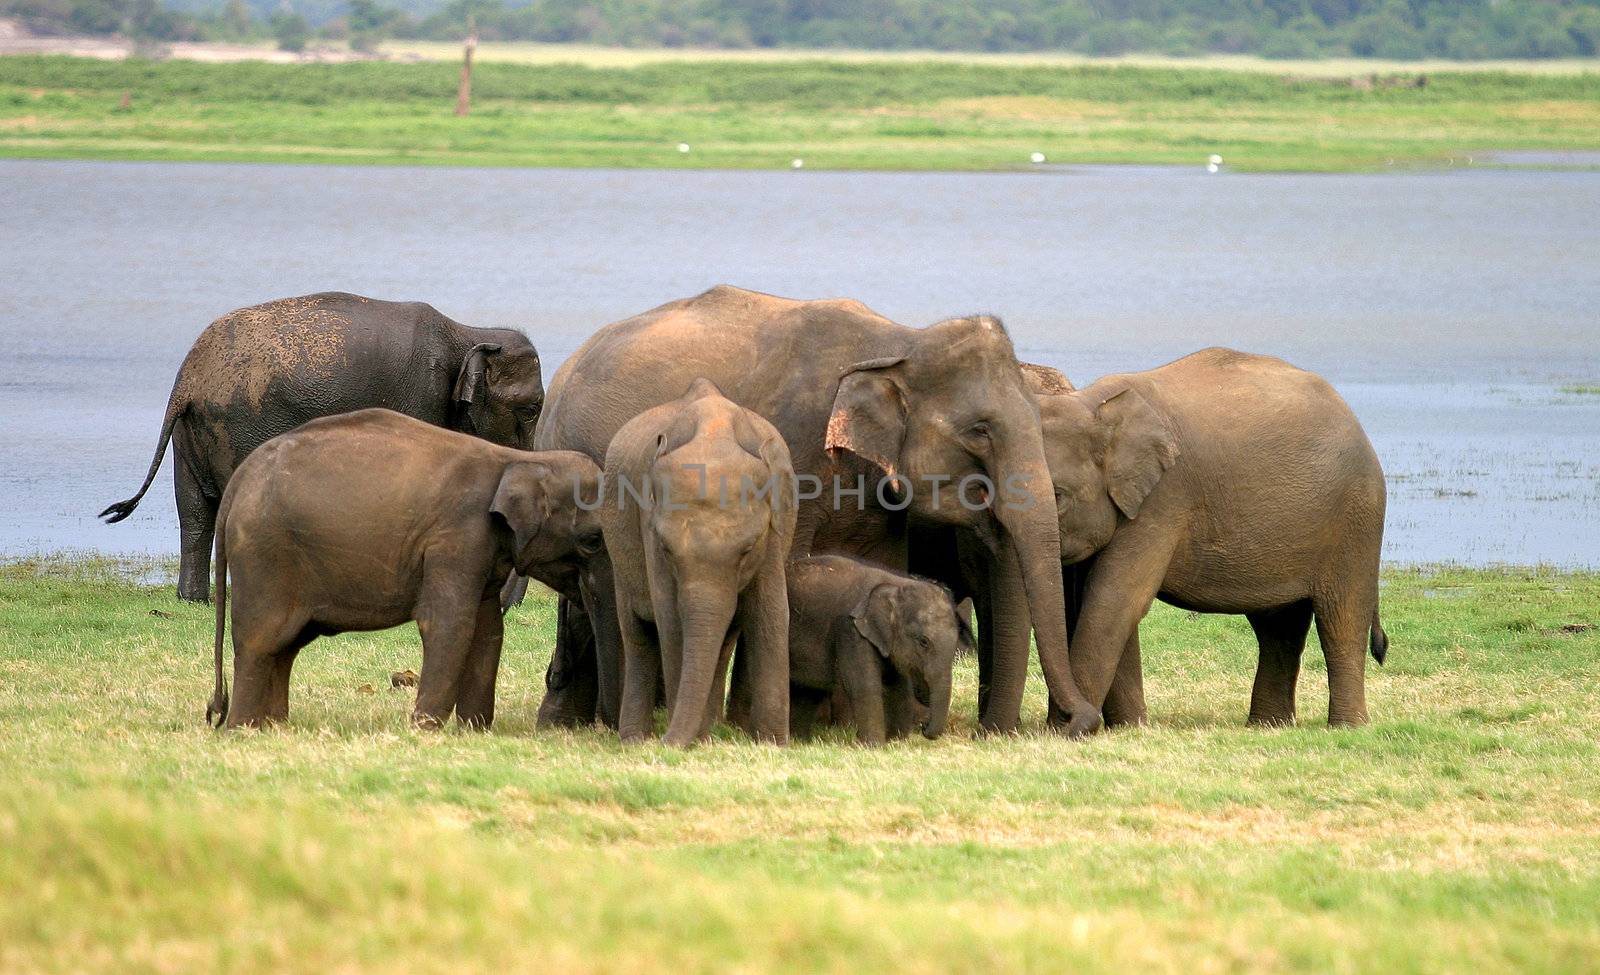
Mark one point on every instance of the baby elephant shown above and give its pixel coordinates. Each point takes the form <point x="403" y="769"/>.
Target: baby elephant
<point x="369" y="519"/>
<point x="884" y="637"/>
<point x="699" y="520"/>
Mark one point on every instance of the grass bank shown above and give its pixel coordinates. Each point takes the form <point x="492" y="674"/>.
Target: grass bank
<point x="1461" y="831"/>
<point x="905" y="115"/>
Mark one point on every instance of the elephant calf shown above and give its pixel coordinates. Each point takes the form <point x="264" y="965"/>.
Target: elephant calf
<point x="366" y="520"/>
<point x="698" y="525"/>
<point x="1221" y="483"/>
<point x="884" y="637"/>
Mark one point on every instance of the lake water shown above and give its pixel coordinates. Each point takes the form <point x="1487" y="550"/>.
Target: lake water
<point x="1450" y="308"/>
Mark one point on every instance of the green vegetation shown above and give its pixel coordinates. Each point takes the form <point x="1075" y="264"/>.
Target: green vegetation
<point x="1582" y="389"/>
<point x="734" y="114"/>
<point x="1460" y="831"/>
<point x="1273" y="28"/>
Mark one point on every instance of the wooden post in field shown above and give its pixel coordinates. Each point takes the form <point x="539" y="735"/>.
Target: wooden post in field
<point x="464" y="93"/>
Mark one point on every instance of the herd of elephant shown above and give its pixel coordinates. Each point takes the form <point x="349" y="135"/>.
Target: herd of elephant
<point x="768" y="510"/>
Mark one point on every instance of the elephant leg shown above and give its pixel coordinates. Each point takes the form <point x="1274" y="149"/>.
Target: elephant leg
<point x="764" y="623"/>
<point x="264" y="647"/>
<point x="1125" y="701"/>
<point x="447" y="618"/>
<point x="282" y="667"/>
<point x="1118" y="592"/>
<point x="902" y="713"/>
<point x="1281" y="634"/>
<point x="983" y="609"/>
<point x="803" y="704"/>
<point x="863" y="681"/>
<point x="197" y="522"/>
<point x="600" y="627"/>
<point x="641" y="665"/>
<point x="1343" y="627"/>
<point x="570" y="685"/>
<point x="475" y="705"/>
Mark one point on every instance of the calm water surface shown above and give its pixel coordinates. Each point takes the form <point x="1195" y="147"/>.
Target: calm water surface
<point x="1450" y="308"/>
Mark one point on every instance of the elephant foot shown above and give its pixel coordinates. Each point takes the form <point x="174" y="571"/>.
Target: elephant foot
<point x="1271" y="720"/>
<point x="1078" y="723"/>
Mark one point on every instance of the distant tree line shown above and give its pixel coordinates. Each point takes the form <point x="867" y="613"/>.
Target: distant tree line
<point x="1274" y="28"/>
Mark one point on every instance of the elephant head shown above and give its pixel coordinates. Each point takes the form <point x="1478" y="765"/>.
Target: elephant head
<point x="953" y="420"/>
<point x="914" y="625"/>
<point x="1108" y="449"/>
<point x="548" y="504"/>
<point x="499" y="391"/>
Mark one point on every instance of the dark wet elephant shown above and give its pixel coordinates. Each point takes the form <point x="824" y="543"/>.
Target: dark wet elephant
<point x="262" y="371"/>
<point x="1222" y="483"/>
<point x="856" y="396"/>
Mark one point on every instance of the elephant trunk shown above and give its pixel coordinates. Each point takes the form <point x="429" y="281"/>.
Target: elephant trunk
<point x="1030" y="521"/>
<point x="938" y="706"/>
<point x="705" y="613"/>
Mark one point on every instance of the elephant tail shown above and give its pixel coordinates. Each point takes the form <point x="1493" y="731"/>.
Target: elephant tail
<point x="1380" y="640"/>
<point x="122" y="509"/>
<point x="217" y="710"/>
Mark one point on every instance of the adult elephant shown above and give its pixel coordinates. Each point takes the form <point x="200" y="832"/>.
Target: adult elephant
<point x="261" y="371"/>
<point x="855" y="395"/>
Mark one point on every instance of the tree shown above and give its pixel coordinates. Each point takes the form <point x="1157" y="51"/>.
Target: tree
<point x="291" y="31"/>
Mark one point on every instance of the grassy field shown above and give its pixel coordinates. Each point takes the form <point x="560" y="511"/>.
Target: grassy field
<point x="910" y="115"/>
<point x="1460" y="831"/>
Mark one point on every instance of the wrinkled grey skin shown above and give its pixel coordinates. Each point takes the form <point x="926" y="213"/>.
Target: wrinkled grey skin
<point x="1221" y="483"/>
<point x="261" y="371"/>
<point x="369" y="519"/>
<point x="699" y="563"/>
<point x="887" y="639"/>
<point x="854" y="394"/>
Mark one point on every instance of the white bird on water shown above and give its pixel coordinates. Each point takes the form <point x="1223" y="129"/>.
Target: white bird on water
<point x="1037" y="157"/>
<point x="797" y="163"/>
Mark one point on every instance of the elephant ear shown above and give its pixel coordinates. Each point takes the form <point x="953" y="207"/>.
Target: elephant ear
<point x="472" y="386"/>
<point x="869" y="413"/>
<point x="964" y="640"/>
<point x="877" y="616"/>
<point x="775" y="454"/>
<point x="520" y="500"/>
<point x="1140" y="448"/>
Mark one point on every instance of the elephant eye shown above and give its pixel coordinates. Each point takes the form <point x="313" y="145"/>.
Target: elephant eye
<point x="978" y="435"/>
<point x="590" y="542"/>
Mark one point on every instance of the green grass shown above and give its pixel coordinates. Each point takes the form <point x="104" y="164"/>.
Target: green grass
<point x="1581" y="389"/>
<point x="761" y="114"/>
<point x="1460" y="831"/>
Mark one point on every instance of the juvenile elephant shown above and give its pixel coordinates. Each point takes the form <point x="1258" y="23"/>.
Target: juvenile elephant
<point x="1221" y="483"/>
<point x="366" y="520"/>
<point x="264" y="370"/>
<point x="886" y="638"/>
<point x="698" y="523"/>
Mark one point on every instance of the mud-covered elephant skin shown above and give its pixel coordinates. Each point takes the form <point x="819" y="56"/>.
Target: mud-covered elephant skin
<point x="858" y="396"/>
<point x="698" y="521"/>
<point x="261" y="371"/>
<point x="888" y="640"/>
<point x="1221" y="483"/>
<point x="366" y="520"/>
